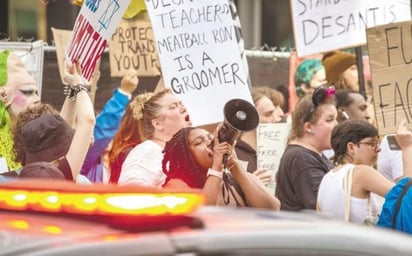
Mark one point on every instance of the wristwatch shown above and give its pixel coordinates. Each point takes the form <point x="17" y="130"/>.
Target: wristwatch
<point x="215" y="173"/>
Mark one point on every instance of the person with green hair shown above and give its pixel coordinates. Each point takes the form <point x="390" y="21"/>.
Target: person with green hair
<point x="308" y="76"/>
<point x="18" y="91"/>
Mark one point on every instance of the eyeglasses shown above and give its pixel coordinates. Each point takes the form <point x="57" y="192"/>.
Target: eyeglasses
<point x="29" y="92"/>
<point x="320" y="94"/>
<point x="374" y="145"/>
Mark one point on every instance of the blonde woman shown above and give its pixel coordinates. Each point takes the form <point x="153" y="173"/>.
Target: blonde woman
<point x="160" y="115"/>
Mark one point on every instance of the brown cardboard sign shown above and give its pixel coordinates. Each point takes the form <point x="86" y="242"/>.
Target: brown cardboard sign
<point x="390" y="56"/>
<point x="133" y="47"/>
<point x="61" y="39"/>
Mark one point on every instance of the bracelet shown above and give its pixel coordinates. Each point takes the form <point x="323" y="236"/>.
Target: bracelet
<point x="236" y="162"/>
<point x="72" y="91"/>
<point x="215" y="173"/>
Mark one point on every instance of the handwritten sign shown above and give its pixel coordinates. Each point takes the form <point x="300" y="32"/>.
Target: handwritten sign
<point x="133" y="47"/>
<point x="271" y="142"/>
<point x="61" y="39"/>
<point x="390" y="56"/>
<point x="321" y="26"/>
<point x="199" y="55"/>
<point x="94" y="26"/>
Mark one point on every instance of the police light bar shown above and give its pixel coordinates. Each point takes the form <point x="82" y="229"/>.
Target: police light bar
<point x="99" y="199"/>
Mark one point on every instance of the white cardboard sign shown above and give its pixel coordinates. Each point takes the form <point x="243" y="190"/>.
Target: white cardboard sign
<point x="321" y="26"/>
<point x="199" y="55"/>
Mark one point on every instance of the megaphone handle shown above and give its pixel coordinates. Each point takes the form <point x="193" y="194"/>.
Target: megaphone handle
<point x="225" y="157"/>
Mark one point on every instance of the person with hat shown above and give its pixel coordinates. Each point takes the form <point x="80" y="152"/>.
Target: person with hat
<point x="43" y="135"/>
<point x="41" y="170"/>
<point x="341" y="70"/>
<point x="18" y="91"/>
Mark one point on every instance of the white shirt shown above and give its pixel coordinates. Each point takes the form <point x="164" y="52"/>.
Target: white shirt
<point x="331" y="197"/>
<point x="389" y="161"/>
<point x="143" y="166"/>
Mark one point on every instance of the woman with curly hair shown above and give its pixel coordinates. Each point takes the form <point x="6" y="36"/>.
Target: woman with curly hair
<point x="43" y="135"/>
<point x="25" y="117"/>
<point x="160" y="115"/>
<point x="190" y="161"/>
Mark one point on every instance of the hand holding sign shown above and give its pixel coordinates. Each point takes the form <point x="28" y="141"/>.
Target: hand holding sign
<point x="264" y="175"/>
<point x="72" y="74"/>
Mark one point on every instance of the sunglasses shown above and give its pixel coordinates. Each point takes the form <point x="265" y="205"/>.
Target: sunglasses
<point x="320" y="95"/>
<point x="29" y="92"/>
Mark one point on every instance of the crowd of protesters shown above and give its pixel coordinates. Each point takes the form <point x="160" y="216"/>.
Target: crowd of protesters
<point x="329" y="164"/>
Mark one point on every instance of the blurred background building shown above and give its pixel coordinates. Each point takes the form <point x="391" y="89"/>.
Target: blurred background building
<point x="263" y="21"/>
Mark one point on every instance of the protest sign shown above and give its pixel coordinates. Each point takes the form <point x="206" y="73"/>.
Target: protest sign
<point x="271" y="142"/>
<point x="321" y="26"/>
<point x="390" y="56"/>
<point x="32" y="56"/>
<point x="93" y="28"/>
<point x="199" y="55"/>
<point x="133" y="47"/>
<point x="61" y="39"/>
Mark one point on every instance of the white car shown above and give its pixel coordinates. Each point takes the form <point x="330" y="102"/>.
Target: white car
<point x="58" y="218"/>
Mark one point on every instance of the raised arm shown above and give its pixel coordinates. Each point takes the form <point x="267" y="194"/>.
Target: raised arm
<point x="83" y="124"/>
<point x="108" y="121"/>
<point x="404" y="138"/>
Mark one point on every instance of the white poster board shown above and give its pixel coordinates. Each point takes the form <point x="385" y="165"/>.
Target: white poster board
<point x="390" y="59"/>
<point x="32" y="55"/>
<point x="93" y="28"/>
<point x="271" y="143"/>
<point x="321" y="26"/>
<point x="199" y="55"/>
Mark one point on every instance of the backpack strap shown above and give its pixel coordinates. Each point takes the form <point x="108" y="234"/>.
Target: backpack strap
<point x="347" y="186"/>
<point x="399" y="201"/>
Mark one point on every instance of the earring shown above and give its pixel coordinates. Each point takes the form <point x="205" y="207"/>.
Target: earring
<point x="311" y="131"/>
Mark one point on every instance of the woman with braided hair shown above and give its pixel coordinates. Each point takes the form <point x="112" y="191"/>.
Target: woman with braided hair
<point x="190" y="162"/>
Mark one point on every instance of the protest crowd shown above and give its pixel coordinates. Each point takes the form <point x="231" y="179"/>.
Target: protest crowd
<point x="335" y="161"/>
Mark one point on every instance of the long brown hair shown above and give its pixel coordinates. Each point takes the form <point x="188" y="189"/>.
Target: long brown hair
<point x="135" y="127"/>
<point x="126" y="138"/>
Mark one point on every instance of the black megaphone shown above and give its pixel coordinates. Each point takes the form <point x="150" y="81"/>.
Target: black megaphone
<point x="240" y="116"/>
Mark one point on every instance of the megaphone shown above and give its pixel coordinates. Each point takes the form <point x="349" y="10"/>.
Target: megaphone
<point x="240" y="116"/>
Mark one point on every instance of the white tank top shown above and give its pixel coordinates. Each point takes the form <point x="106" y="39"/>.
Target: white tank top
<point x="331" y="197"/>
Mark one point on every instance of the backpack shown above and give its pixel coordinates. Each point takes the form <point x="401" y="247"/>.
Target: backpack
<point x="397" y="210"/>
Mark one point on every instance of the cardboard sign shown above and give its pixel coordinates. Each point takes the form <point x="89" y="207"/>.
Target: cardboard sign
<point x="390" y="56"/>
<point x="199" y="55"/>
<point x="93" y="28"/>
<point x="271" y="142"/>
<point x="32" y="56"/>
<point x="321" y="26"/>
<point x="133" y="47"/>
<point x="61" y="39"/>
